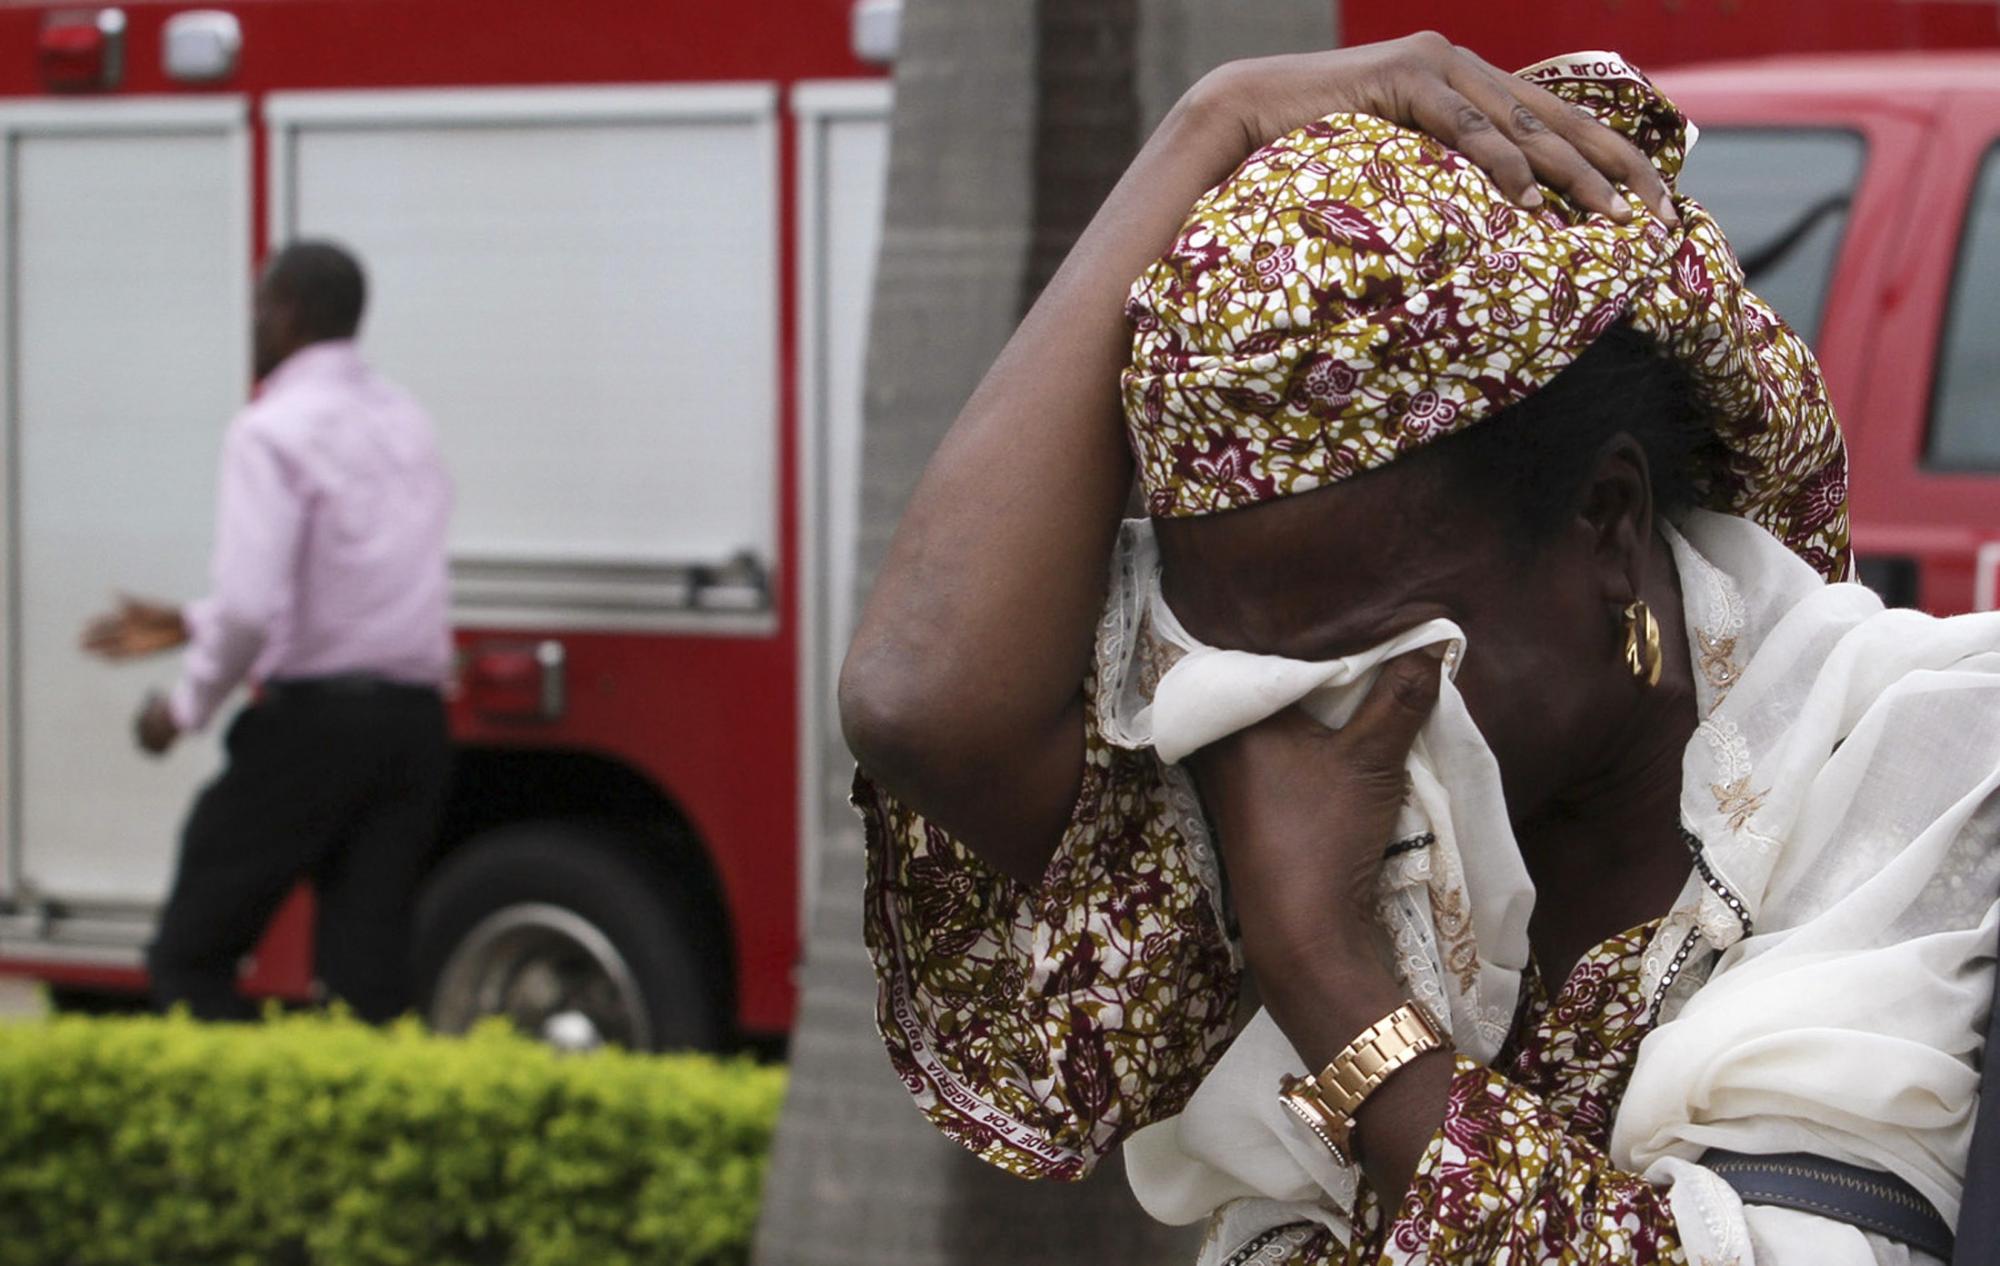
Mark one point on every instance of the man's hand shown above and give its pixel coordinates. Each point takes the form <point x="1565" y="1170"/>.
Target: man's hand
<point x="137" y="628"/>
<point x="155" y="726"/>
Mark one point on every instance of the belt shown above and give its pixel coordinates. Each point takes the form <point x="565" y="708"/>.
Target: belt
<point x="1864" y="1198"/>
<point x="343" y="685"/>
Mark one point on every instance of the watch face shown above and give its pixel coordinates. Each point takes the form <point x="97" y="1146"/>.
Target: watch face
<point x="1302" y="1099"/>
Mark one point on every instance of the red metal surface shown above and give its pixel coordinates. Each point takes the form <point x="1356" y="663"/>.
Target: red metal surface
<point x="711" y="720"/>
<point x="294" y="44"/>
<point x="1667" y="32"/>
<point x="1938" y="518"/>
<point x="1929" y="122"/>
<point x="282" y="966"/>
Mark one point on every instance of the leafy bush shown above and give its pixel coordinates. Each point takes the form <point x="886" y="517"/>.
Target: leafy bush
<point x="309" y="1139"/>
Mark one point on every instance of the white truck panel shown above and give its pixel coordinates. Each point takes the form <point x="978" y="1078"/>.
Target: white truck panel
<point x="581" y="285"/>
<point x="128" y="297"/>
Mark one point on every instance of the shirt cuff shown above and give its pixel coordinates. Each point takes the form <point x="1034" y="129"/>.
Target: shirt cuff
<point x="190" y="712"/>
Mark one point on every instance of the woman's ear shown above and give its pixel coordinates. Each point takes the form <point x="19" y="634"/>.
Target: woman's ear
<point x="1615" y="517"/>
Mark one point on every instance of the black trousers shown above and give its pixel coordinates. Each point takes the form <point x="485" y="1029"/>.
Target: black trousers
<point x="339" y="782"/>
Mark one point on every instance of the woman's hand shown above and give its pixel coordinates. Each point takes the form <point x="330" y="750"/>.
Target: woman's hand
<point x="1517" y="132"/>
<point x="1303" y="814"/>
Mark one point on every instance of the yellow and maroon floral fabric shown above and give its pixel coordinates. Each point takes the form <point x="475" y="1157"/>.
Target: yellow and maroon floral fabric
<point x="1518" y="1172"/>
<point x="1356" y="290"/>
<point x="1039" y="1027"/>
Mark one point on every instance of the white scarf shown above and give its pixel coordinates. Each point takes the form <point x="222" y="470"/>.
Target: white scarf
<point x="1842" y="784"/>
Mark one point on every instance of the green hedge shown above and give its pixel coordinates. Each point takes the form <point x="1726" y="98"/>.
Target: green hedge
<point x="309" y="1139"/>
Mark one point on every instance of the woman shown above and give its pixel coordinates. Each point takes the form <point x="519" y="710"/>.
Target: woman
<point x="1681" y="853"/>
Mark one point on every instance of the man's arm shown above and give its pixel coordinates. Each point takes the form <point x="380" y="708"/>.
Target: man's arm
<point x="259" y="524"/>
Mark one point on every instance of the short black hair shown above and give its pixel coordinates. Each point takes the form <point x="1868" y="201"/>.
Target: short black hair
<point x="323" y="284"/>
<point x="1528" y="461"/>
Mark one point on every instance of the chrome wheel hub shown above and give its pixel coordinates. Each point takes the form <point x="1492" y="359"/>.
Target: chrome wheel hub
<point x="548" y="970"/>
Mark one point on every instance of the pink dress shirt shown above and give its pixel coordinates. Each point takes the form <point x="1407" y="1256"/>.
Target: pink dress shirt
<point x="329" y="539"/>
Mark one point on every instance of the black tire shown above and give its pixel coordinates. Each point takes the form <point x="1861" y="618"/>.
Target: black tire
<point x="555" y="879"/>
<point x="77" y="1000"/>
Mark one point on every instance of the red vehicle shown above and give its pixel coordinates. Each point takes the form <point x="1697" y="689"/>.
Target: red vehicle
<point x="622" y="251"/>
<point x="1862" y="193"/>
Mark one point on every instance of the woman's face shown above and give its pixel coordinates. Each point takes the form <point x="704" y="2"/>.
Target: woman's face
<point x="1335" y="571"/>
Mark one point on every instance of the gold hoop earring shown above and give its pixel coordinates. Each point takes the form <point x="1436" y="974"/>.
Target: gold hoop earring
<point x="1642" y="643"/>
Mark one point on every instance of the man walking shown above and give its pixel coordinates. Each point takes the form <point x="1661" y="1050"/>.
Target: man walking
<point x="330" y="595"/>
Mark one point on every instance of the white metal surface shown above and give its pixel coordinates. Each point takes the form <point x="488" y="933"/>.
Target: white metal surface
<point x="1986" y="577"/>
<point x="200" y="45"/>
<point x="581" y="285"/>
<point x="126" y="300"/>
<point x="876" y="28"/>
<point x="843" y="162"/>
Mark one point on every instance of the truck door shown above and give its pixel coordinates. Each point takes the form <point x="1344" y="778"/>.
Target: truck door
<point x="1937" y="477"/>
<point x="843" y="140"/>
<point x="125" y="240"/>
<point x="580" y="284"/>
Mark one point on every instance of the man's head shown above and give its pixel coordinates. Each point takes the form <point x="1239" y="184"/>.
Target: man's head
<point x="310" y="292"/>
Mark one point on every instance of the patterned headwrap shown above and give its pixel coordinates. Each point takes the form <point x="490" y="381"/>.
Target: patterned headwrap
<point x="1356" y="290"/>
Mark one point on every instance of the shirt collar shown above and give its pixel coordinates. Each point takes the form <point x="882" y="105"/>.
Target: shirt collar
<point x="329" y="358"/>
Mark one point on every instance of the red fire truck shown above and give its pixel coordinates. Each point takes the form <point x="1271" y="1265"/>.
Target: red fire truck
<point x="622" y="250"/>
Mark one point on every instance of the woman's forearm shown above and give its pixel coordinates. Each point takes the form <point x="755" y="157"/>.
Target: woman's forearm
<point x="1321" y="1008"/>
<point x="962" y="690"/>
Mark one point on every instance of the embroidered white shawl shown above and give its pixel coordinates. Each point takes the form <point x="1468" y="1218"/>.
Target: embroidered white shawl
<point x="1822" y="980"/>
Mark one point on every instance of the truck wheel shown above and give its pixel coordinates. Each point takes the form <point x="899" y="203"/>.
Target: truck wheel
<point x="76" y="1000"/>
<point x="555" y="926"/>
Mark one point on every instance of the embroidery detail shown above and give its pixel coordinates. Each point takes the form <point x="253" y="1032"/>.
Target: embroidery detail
<point x="1460" y="951"/>
<point x="1726" y="741"/>
<point x="1717" y="613"/>
<point x="1736" y="802"/>
<point x="1275" y="1246"/>
<point x="1718" y="662"/>
<point x="1715" y="885"/>
<point x="1673" y="973"/>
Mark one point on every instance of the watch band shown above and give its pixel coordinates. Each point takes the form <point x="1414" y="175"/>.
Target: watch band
<point x="1366" y="1062"/>
<point x="1327" y="1103"/>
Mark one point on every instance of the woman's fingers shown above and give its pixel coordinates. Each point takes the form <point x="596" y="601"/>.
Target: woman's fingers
<point x="1450" y="116"/>
<point x="1517" y="132"/>
<point x="1584" y="158"/>
<point x="1605" y="150"/>
<point x="1382" y="729"/>
<point x="1520" y="133"/>
<point x="1554" y="159"/>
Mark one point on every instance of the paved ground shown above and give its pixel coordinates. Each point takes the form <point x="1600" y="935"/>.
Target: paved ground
<point x="19" y="997"/>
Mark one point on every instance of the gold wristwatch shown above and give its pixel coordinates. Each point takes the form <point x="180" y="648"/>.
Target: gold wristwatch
<point x="1327" y="1103"/>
